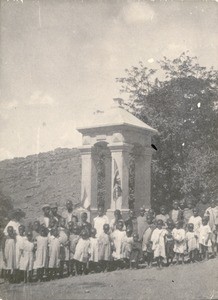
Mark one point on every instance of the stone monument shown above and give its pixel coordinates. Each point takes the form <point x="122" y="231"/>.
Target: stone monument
<point x="119" y="134"/>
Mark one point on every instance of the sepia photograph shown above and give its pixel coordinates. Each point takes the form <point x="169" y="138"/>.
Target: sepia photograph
<point x="108" y="149"/>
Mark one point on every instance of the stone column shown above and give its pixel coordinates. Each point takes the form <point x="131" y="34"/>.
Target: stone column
<point x="89" y="179"/>
<point x="120" y="159"/>
<point x="143" y="178"/>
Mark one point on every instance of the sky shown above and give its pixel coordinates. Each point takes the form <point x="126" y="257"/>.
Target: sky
<point x="59" y="60"/>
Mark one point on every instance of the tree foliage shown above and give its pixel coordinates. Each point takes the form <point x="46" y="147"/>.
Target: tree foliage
<point x="180" y="101"/>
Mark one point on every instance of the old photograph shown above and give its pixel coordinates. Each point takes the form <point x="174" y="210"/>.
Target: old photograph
<point x="108" y="149"/>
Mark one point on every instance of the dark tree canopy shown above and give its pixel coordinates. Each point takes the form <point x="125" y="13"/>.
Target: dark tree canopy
<point x="180" y="101"/>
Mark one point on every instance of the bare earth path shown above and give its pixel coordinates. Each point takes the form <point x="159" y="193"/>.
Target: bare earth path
<point x="196" y="281"/>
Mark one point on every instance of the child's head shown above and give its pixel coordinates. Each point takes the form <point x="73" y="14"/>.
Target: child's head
<point x="129" y="231"/>
<point x="29" y="235"/>
<point x="131" y="214"/>
<point x="54" y="209"/>
<point x="190" y="227"/>
<point x="21" y="230"/>
<point x="84" y="217"/>
<point x="43" y="231"/>
<point x="84" y="234"/>
<point x="175" y="204"/>
<point x="163" y="209"/>
<point x="106" y="228"/>
<point x="182" y="203"/>
<point x="149" y="218"/>
<point x="120" y="225"/>
<point x="75" y="229"/>
<point x="52" y="223"/>
<point x="10" y="231"/>
<point x="62" y="222"/>
<point x="205" y="220"/>
<point x="93" y="232"/>
<point x="117" y="214"/>
<point x="170" y="223"/>
<point x="189" y="203"/>
<point x="135" y="237"/>
<point x="100" y="211"/>
<point x="46" y="210"/>
<point x="54" y="232"/>
<point x="74" y="219"/>
<point x="36" y="226"/>
<point x="142" y="211"/>
<point x="195" y="211"/>
<point x="69" y="205"/>
<point x="159" y="224"/>
<point x="179" y="224"/>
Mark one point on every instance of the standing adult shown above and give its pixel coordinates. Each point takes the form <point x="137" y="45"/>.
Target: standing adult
<point x="202" y="205"/>
<point x="68" y="213"/>
<point x="115" y="220"/>
<point x="45" y="219"/>
<point x="16" y="217"/>
<point x="99" y="221"/>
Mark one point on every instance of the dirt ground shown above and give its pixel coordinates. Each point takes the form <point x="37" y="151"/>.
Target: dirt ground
<point x="193" y="281"/>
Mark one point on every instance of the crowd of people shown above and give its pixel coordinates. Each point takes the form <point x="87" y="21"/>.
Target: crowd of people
<point x="58" y="245"/>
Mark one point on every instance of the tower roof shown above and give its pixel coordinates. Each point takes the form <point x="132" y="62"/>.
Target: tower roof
<point x="115" y="116"/>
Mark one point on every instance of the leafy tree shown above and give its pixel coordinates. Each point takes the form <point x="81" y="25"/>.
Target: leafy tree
<point x="180" y="101"/>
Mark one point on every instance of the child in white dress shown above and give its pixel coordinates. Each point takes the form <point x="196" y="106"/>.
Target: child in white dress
<point x="126" y="247"/>
<point x="73" y="240"/>
<point x="27" y="255"/>
<point x="117" y="237"/>
<point x="180" y="243"/>
<point x="158" y="243"/>
<point x="54" y="253"/>
<point x="82" y="252"/>
<point x="19" y="243"/>
<point x="104" y="248"/>
<point x="41" y="262"/>
<point x="64" y="249"/>
<point x="192" y="243"/>
<point x="9" y="254"/>
<point x="212" y="213"/>
<point x="196" y="220"/>
<point x="93" y="259"/>
<point x="204" y="238"/>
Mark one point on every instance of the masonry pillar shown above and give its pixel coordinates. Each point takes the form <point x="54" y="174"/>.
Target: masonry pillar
<point x="89" y="179"/>
<point x="107" y="181"/>
<point x="143" y="178"/>
<point x="119" y="178"/>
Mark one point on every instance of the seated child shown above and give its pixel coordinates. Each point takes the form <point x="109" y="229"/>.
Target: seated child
<point x="158" y="243"/>
<point x="117" y="238"/>
<point x="179" y="241"/>
<point x="146" y="241"/>
<point x="126" y="247"/>
<point x="54" y="253"/>
<point x="104" y="248"/>
<point x="41" y="261"/>
<point x="175" y="213"/>
<point x="73" y="239"/>
<point x="82" y="253"/>
<point x="204" y="238"/>
<point x="136" y="252"/>
<point x="26" y="259"/>
<point x="163" y="216"/>
<point x="9" y="254"/>
<point x="93" y="259"/>
<point x="192" y="243"/>
<point x="169" y="242"/>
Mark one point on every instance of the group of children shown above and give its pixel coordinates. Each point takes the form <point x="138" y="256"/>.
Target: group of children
<point x="60" y="245"/>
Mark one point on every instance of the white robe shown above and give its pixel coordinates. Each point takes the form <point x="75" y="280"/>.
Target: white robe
<point x="158" y="243"/>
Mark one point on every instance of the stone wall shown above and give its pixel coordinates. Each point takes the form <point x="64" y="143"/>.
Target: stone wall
<point x="38" y="179"/>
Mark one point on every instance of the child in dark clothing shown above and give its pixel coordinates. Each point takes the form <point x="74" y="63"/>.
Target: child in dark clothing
<point x="136" y="252"/>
